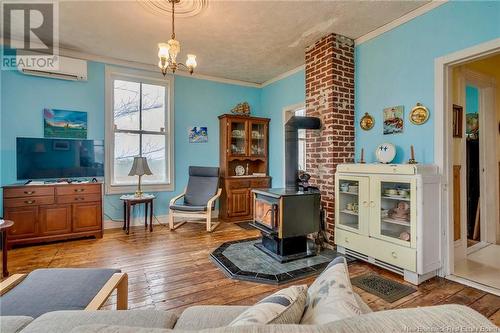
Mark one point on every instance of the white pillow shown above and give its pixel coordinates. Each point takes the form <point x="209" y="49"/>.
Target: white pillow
<point x="330" y="297"/>
<point x="285" y="306"/>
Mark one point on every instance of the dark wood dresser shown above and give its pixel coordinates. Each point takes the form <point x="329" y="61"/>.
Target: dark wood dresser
<point x="243" y="146"/>
<point x="43" y="213"/>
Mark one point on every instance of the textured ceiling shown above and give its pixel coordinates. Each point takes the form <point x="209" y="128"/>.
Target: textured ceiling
<point x="251" y="41"/>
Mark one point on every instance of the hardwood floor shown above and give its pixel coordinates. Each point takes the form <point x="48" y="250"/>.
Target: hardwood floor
<point x="172" y="271"/>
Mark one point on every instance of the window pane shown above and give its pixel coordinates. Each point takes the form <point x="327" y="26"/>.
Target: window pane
<point x="153" y="148"/>
<point x="153" y="108"/>
<point x="126" y="148"/>
<point x="126" y="104"/>
<point x="300" y="112"/>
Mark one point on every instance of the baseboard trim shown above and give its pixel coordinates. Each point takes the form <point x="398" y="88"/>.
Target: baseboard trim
<point x="473" y="284"/>
<point x="136" y="221"/>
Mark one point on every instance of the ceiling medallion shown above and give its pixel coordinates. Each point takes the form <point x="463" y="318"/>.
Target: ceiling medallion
<point x="184" y="8"/>
<point x="167" y="52"/>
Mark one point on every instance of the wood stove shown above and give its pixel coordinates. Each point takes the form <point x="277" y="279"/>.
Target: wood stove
<point x="285" y="218"/>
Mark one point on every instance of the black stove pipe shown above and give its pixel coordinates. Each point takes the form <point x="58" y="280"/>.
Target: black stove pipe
<point x="292" y="146"/>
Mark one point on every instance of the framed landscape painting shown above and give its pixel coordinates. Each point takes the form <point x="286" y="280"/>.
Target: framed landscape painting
<point x="64" y="124"/>
<point x="198" y="134"/>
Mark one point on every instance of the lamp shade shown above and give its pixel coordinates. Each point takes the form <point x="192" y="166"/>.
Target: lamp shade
<point x="140" y="167"/>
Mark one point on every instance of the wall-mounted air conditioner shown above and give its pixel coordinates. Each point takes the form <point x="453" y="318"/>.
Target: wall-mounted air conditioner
<point x="67" y="69"/>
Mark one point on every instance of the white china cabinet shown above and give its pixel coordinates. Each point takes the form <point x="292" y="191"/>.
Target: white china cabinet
<point x="388" y="215"/>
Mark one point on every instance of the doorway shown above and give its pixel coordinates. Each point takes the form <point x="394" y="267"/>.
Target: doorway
<point x="475" y="157"/>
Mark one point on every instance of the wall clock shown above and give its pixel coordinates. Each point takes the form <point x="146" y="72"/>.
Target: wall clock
<point x="367" y="122"/>
<point x="419" y="114"/>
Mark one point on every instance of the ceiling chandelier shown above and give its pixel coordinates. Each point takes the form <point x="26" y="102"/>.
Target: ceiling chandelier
<point x="167" y="52"/>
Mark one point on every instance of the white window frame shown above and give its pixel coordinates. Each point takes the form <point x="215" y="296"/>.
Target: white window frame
<point x="118" y="73"/>
<point x="287" y="111"/>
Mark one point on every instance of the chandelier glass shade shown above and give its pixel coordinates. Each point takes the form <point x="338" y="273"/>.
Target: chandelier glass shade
<point x="167" y="52"/>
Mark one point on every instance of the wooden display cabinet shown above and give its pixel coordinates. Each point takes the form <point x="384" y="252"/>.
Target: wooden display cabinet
<point x="244" y="146"/>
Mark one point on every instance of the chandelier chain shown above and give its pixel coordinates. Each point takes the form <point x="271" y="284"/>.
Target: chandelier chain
<point x="173" y="19"/>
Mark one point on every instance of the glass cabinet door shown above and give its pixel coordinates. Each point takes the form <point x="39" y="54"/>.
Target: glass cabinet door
<point x="394" y="202"/>
<point x="257" y="139"/>
<point x="352" y="207"/>
<point x="237" y="137"/>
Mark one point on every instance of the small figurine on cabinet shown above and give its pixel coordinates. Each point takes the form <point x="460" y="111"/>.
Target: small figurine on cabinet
<point x="401" y="211"/>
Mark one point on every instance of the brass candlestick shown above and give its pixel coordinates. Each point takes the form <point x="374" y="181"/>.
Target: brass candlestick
<point x="362" y="160"/>
<point x="412" y="156"/>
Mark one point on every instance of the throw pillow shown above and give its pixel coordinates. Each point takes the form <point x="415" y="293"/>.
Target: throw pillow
<point x="286" y="306"/>
<point x="330" y="297"/>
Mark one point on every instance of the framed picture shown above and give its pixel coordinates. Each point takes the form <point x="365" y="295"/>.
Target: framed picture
<point x="198" y="134"/>
<point x="458" y="114"/>
<point x="64" y="124"/>
<point x="393" y="119"/>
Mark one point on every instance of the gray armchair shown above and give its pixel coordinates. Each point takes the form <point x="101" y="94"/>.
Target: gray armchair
<point x="199" y="198"/>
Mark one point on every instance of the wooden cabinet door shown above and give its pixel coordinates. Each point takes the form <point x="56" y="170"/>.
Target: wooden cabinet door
<point x="87" y="216"/>
<point x="25" y="221"/>
<point x="239" y="202"/>
<point x="237" y="136"/>
<point x="257" y="133"/>
<point x="55" y="220"/>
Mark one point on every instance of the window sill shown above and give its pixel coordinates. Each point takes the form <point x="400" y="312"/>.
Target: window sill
<point x="127" y="189"/>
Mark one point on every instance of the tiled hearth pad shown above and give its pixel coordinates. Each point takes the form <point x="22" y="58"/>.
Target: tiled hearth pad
<point x="242" y="260"/>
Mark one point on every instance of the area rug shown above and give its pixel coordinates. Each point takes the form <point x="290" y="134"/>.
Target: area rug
<point x="389" y="290"/>
<point x="242" y="260"/>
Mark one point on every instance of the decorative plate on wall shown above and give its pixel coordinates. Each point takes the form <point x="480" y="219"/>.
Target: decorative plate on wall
<point x="367" y="122"/>
<point x="419" y="114"/>
<point x="385" y="153"/>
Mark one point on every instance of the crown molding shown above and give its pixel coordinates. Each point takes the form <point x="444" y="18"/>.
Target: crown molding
<point x="282" y="76"/>
<point x="401" y="20"/>
<point x="148" y="67"/>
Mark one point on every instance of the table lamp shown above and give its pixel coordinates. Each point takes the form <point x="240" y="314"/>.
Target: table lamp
<point x="139" y="168"/>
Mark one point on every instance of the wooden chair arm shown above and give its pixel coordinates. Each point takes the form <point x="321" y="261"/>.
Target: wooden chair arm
<point x="212" y="199"/>
<point x="11" y="282"/>
<point x="118" y="281"/>
<point x="174" y="199"/>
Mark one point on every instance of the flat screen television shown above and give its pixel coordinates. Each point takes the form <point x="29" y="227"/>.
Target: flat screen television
<point x="39" y="158"/>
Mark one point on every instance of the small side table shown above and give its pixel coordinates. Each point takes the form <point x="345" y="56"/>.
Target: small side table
<point x="131" y="200"/>
<point x="4" y="227"/>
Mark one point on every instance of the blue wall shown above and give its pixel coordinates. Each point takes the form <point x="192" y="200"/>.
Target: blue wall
<point x="197" y="102"/>
<point x="397" y="68"/>
<point x="276" y="96"/>
<point x="471" y="99"/>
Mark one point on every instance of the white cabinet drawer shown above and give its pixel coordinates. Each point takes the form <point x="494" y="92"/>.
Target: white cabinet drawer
<point x="351" y="240"/>
<point x="396" y="255"/>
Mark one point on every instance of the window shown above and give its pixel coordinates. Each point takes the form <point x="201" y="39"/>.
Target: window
<point x="290" y="111"/>
<point x="138" y="123"/>
<point x="302" y="140"/>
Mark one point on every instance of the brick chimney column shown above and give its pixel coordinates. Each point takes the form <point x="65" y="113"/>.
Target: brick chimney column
<point x="330" y="96"/>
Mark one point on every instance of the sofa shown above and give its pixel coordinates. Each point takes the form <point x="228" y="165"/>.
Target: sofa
<point x="328" y="305"/>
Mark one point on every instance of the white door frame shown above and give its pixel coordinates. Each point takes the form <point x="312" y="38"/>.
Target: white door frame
<point x="286" y="109"/>
<point x="443" y="154"/>
<point x="488" y="180"/>
<point x="487" y="163"/>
